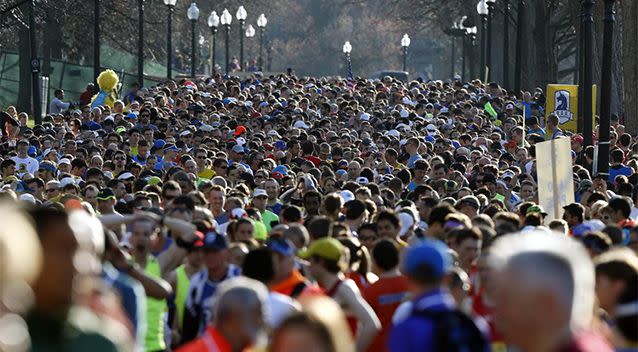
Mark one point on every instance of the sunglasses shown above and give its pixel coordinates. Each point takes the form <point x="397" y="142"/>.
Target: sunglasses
<point x="52" y="190"/>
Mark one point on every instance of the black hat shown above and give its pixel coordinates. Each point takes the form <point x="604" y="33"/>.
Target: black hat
<point x="105" y="194"/>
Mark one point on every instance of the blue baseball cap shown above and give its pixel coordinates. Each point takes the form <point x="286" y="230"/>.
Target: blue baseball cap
<point x="281" y="246"/>
<point x="282" y="169"/>
<point x="281" y="145"/>
<point x="32" y="151"/>
<point x="213" y="240"/>
<point x="131" y="115"/>
<point x="159" y="144"/>
<point x="431" y="253"/>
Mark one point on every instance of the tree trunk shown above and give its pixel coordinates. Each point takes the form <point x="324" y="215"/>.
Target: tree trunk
<point x="629" y="18"/>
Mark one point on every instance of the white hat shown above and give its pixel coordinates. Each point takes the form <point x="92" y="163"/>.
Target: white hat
<point x="259" y="192"/>
<point x="206" y="128"/>
<point x="109" y="118"/>
<point x="407" y="221"/>
<point x="241" y="141"/>
<point x="404" y="113"/>
<point x="273" y="133"/>
<point x="27" y="197"/>
<point x="407" y="101"/>
<point x="65" y="161"/>
<point x="404" y="126"/>
<point x="66" y="181"/>
<point x="364" y="117"/>
<point x="393" y="133"/>
<point x="432" y="130"/>
<point x="125" y="176"/>
<point x="301" y="124"/>
<point x="185" y="133"/>
<point x="238" y="213"/>
<point x="444" y="109"/>
<point x="362" y="180"/>
<point x="346" y="196"/>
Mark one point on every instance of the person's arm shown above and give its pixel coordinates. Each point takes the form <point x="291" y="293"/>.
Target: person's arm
<point x="154" y="287"/>
<point x="370" y="324"/>
<point x="174" y="255"/>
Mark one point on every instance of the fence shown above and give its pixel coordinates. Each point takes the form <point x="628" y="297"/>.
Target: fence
<point x="73" y="78"/>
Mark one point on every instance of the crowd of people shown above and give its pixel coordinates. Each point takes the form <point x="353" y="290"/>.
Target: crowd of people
<point x="289" y="213"/>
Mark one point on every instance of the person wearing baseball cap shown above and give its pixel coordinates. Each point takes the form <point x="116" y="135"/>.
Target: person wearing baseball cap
<point x="259" y="201"/>
<point x="217" y="268"/>
<point x="426" y="265"/>
<point x="326" y="256"/>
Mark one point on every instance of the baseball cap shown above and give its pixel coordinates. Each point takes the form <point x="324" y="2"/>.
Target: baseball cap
<point x="536" y="209"/>
<point x="27" y="197"/>
<point x="281" y="246"/>
<point x="578" y="139"/>
<point x="364" y="117"/>
<point x="126" y="176"/>
<point x="260" y="192"/>
<point x="362" y="180"/>
<point x="213" y="240"/>
<point x="431" y="253"/>
<point x="238" y="149"/>
<point x="471" y="201"/>
<point x="346" y="196"/>
<point x="301" y="124"/>
<point x="327" y="248"/>
<point x="64" y="161"/>
<point x="105" y="194"/>
<point x="239" y="130"/>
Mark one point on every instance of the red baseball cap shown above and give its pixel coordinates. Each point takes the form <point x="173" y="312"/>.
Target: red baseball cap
<point x="578" y="139"/>
<point x="240" y="130"/>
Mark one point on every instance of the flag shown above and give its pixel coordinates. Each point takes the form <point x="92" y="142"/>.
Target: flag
<point x="490" y="110"/>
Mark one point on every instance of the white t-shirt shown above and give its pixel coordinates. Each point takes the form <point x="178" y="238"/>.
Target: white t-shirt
<point x="278" y="308"/>
<point x="25" y="165"/>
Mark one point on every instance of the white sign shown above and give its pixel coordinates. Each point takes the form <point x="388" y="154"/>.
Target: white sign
<point x="555" y="176"/>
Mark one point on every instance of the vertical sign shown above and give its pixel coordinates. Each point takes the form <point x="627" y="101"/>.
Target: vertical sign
<point x="555" y="176"/>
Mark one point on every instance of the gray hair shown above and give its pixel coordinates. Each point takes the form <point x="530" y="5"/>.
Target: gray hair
<point x="238" y="294"/>
<point x="557" y="264"/>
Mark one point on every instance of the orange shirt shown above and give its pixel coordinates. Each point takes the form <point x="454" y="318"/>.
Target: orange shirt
<point x="384" y="296"/>
<point x="287" y="286"/>
<point x="210" y="341"/>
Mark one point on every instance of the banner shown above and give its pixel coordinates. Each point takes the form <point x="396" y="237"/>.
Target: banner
<point x="555" y="176"/>
<point x="562" y="101"/>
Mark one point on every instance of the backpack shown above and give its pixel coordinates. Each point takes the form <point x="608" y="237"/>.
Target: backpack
<point x="455" y="331"/>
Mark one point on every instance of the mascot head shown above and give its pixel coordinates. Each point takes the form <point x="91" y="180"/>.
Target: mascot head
<point x="108" y="80"/>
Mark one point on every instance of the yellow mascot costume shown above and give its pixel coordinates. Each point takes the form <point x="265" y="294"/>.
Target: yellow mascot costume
<point x="108" y="82"/>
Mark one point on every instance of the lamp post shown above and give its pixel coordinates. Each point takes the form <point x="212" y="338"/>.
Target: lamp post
<point x="483" y="11"/>
<point x="405" y="44"/>
<point x="96" y="39"/>
<point x="588" y="23"/>
<point x="457" y="31"/>
<point x="36" y="108"/>
<point x="250" y="33"/>
<point x="261" y="23"/>
<point x="488" y="54"/>
<point x="471" y="41"/>
<point x="520" y="36"/>
<point x="193" y="15"/>
<point x="506" y="43"/>
<point x="140" y="43"/>
<point x="170" y="4"/>
<point x="605" y="87"/>
<point x="347" y="49"/>
<point x="213" y="23"/>
<point x="226" y="20"/>
<point x="241" y="17"/>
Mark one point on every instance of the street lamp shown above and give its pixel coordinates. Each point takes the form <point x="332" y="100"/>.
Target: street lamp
<point x="241" y="17"/>
<point x="405" y="43"/>
<point x="140" y="43"/>
<point x="193" y="16"/>
<point x="213" y="23"/>
<point x="490" y="14"/>
<point x="96" y="39"/>
<point x="605" y="88"/>
<point x="483" y="10"/>
<point x="506" y="43"/>
<point x="226" y="21"/>
<point x="250" y="33"/>
<point x="520" y="39"/>
<point x="458" y="30"/>
<point x="347" y="49"/>
<point x="588" y="23"/>
<point x="170" y="4"/>
<point x="261" y="23"/>
<point x="470" y="36"/>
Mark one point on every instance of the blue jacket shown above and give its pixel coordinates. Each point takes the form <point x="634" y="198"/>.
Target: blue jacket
<point x="416" y="333"/>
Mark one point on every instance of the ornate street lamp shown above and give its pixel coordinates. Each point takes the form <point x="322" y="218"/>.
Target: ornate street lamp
<point x="261" y="23"/>
<point x="193" y="16"/>
<point x="213" y="23"/>
<point x="170" y="5"/>
<point x="483" y="11"/>
<point x="470" y="38"/>
<point x="347" y="49"/>
<point x="241" y="17"/>
<point x="490" y="14"/>
<point x="605" y="88"/>
<point x="226" y="20"/>
<point x="140" y="42"/>
<point x="405" y="44"/>
<point x="506" y="43"/>
<point x="250" y="33"/>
